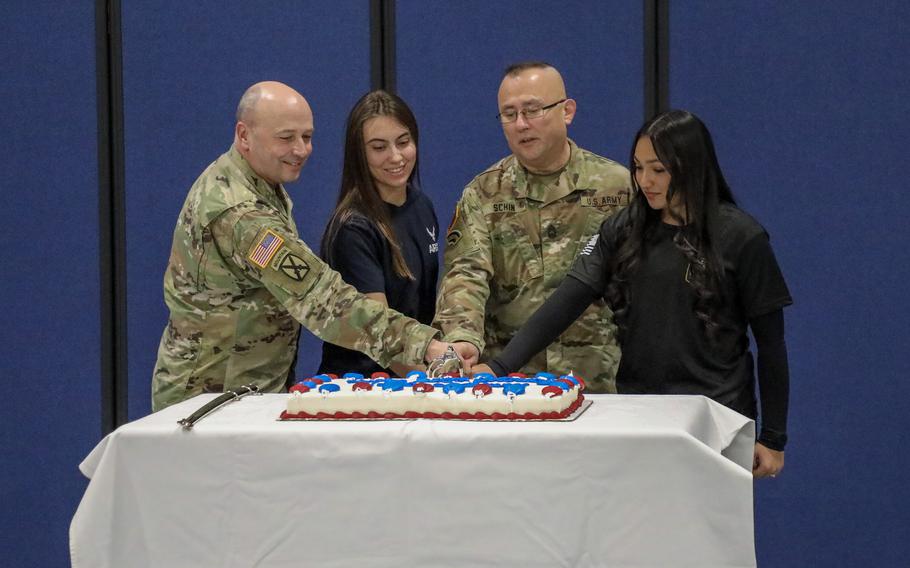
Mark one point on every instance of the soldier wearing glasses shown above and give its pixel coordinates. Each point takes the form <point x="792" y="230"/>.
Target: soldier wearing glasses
<point x="520" y="224"/>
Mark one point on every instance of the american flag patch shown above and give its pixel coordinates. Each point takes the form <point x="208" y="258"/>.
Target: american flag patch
<point x="262" y="253"/>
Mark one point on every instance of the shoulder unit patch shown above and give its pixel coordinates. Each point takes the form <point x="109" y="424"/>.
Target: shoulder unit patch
<point x="294" y="267"/>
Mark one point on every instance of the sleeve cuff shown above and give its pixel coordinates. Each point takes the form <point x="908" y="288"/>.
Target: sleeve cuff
<point x="773" y="440"/>
<point x="416" y="344"/>
<point x="497" y="367"/>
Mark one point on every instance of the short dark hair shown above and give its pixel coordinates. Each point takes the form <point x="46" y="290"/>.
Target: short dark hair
<point x="517" y="68"/>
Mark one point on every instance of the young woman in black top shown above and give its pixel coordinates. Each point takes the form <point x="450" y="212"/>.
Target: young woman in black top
<point x="687" y="273"/>
<point x="382" y="236"/>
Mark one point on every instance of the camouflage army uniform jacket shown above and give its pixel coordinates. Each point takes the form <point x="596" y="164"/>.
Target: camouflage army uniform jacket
<point x="239" y="280"/>
<point x="511" y="242"/>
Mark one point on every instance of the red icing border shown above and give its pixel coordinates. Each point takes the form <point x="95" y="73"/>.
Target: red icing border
<point x="435" y="415"/>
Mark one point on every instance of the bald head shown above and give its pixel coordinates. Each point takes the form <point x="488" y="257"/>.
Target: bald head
<point x="269" y="94"/>
<point x="274" y="131"/>
<point x="545" y="79"/>
<point x="517" y="69"/>
<point x="540" y="143"/>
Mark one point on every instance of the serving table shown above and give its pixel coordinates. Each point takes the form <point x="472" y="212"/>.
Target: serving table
<point x="632" y="481"/>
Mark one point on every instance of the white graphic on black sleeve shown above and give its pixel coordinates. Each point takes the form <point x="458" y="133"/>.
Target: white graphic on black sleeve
<point x="589" y="248"/>
<point x="434" y="246"/>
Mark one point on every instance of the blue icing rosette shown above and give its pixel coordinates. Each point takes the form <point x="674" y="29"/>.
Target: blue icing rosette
<point x="329" y="387"/>
<point x="456" y="388"/>
<point x="514" y="388"/>
<point x="394" y="384"/>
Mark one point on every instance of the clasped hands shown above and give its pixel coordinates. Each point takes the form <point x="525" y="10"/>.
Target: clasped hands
<point x="467" y="353"/>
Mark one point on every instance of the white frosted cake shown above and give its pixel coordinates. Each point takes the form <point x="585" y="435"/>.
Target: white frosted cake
<point x="480" y="397"/>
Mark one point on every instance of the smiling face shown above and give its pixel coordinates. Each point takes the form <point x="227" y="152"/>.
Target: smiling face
<point x="391" y="155"/>
<point x="276" y="134"/>
<point x="653" y="179"/>
<point x="541" y="143"/>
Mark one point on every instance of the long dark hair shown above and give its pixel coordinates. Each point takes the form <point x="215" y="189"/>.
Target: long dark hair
<point x="685" y="148"/>
<point x="358" y="193"/>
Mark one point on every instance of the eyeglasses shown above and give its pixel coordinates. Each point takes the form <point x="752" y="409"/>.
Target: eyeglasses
<point x="511" y="115"/>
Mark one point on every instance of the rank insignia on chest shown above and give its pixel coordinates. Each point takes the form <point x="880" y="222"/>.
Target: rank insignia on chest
<point x="265" y="248"/>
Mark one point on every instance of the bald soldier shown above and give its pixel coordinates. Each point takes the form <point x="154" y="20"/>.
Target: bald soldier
<point x="239" y="278"/>
<point x="518" y="227"/>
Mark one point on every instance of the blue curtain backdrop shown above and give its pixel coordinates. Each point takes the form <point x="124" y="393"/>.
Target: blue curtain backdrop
<point x="805" y="101"/>
<point x="50" y="350"/>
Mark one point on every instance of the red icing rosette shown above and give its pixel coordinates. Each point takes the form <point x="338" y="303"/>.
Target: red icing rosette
<point x="552" y="391"/>
<point x="581" y="381"/>
<point x="482" y="389"/>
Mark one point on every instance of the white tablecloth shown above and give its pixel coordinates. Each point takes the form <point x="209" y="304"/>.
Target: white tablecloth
<point x="634" y="481"/>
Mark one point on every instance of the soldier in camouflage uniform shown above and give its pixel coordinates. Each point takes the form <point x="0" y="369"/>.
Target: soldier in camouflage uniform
<point x="519" y="226"/>
<point x="239" y="278"/>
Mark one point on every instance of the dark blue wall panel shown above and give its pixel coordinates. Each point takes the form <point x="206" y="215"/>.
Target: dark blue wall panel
<point x="807" y="101"/>
<point x="185" y="67"/>
<point x="450" y="63"/>
<point x="50" y="345"/>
